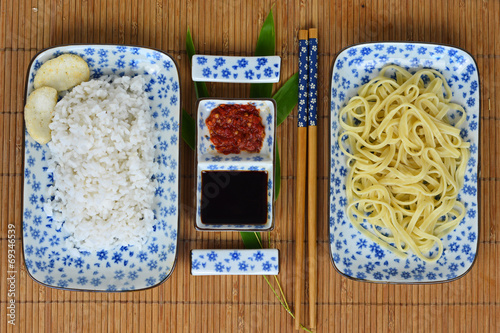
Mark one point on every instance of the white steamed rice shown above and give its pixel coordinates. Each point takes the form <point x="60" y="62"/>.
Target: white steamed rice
<point x="102" y="159"/>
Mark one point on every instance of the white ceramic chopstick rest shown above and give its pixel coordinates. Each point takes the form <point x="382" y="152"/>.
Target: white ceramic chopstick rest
<point x="235" y="262"/>
<point x="206" y="68"/>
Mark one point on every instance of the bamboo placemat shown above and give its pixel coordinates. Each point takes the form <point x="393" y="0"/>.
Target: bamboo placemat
<point x="246" y="304"/>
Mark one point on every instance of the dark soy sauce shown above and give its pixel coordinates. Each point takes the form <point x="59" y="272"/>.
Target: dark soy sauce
<point x="234" y="197"/>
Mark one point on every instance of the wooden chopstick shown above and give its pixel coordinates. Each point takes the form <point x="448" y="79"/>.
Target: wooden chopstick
<point x="312" y="170"/>
<point x="300" y="189"/>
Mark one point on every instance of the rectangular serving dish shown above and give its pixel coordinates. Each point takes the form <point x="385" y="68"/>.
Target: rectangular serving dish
<point x="48" y="259"/>
<point x="208" y="159"/>
<point x="354" y="255"/>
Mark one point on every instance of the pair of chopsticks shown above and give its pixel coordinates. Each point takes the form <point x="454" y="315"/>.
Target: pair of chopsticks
<point x="307" y="162"/>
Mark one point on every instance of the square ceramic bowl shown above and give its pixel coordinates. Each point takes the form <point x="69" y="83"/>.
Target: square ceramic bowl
<point x="354" y="255"/>
<point x="49" y="260"/>
<point x="209" y="159"/>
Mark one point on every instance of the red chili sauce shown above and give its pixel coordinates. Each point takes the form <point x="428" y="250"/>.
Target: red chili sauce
<point x="235" y="128"/>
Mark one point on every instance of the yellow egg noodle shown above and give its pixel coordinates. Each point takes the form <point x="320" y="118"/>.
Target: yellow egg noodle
<point x="407" y="161"/>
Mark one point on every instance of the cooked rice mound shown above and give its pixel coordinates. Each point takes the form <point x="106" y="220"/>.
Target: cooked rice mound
<point x="102" y="153"/>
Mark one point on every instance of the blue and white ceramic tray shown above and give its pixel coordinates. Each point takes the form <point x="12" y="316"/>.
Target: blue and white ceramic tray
<point x="235" y="262"/>
<point x="353" y="254"/>
<point x="48" y="259"/>
<point x="207" y="68"/>
<point x="210" y="160"/>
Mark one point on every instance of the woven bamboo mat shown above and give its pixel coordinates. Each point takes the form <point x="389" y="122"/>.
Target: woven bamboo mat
<point x="246" y="304"/>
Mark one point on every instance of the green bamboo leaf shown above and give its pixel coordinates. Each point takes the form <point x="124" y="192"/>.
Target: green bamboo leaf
<point x="251" y="240"/>
<point x="188" y="130"/>
<point x="199" y="87"/>
<point x="266" y="46"/>
<point x="266" y="42"/>
<point x="286" y="98"/>
<point x="277" y="174"/>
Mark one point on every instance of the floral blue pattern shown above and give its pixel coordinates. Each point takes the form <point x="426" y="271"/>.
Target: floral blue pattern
<point x="352" y="253"/>
<point x="47" y="258"/>
<point x="207" y="68"/>
<point x="313" y="82"/>
<point x="209" y="159"/>
<point x="235" y="262"/>
<point x="303" y="82"/>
